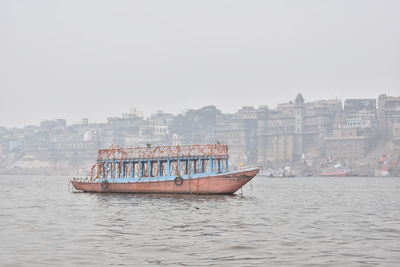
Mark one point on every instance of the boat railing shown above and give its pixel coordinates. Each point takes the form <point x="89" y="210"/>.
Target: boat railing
<point x="217" y="150"/>
<point x="137" y="162"/>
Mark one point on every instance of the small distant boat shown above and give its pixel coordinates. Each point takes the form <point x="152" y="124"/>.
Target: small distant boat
<point x="285" y="173"/>
<point x="186" y="169"/>
<point x="337" y="171"/>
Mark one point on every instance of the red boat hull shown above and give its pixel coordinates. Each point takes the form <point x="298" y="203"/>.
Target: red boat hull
<point x="219" y="184"/>
<point x="336" y="173"/>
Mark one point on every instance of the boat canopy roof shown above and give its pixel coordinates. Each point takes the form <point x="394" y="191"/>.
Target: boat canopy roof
<point x="198" y="150"/>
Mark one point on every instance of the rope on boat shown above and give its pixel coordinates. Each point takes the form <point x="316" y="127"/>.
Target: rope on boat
<point x="99" y="188"/>
<point x="190" y="185"/>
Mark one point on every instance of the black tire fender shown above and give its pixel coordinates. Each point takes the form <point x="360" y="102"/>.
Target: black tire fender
<point x="178" y="180"/>
<point x="104" y="184"/>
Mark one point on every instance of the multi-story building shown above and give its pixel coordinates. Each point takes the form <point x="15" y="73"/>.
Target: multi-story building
<point x="231" y="131"/>
<point x="355" y="132"/>
<point x="117" y="128"/>
<point x="296" y="130"/>
<point x="197" y="126"/>
<point x="161" y="123"/>
<point x="53" y="125"/>
<point x="359" y="106"/>
<point x="388" y="116"/>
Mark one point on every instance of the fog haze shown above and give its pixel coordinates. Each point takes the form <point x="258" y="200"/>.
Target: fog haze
<point x="95" y="59"/>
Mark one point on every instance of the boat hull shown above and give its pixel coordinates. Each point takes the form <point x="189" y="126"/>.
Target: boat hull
<point x="218" y="184"/>
<point x="337" y="173"/>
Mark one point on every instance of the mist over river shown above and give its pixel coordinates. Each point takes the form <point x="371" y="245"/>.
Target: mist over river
<point x="276" y="221"/>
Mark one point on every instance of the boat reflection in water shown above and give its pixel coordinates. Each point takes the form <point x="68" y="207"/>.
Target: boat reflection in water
<point x="181" y="169"/>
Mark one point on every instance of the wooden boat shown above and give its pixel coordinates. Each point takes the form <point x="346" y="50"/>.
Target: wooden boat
<point x="279" y="173"/>
<point x="186" y="169"/>
<point x="336" y="172"/>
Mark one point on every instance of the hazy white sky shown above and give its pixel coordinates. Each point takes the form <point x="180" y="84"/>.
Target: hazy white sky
<point x="95" y="59"/>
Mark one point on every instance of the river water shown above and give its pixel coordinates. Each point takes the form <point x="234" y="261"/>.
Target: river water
<point x="279" y="222"/>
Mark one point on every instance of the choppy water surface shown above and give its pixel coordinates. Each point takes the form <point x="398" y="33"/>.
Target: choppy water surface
<point x="293" y="221"/>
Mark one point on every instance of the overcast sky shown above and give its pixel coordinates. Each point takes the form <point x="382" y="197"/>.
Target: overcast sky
<point x="96" y="59"/>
